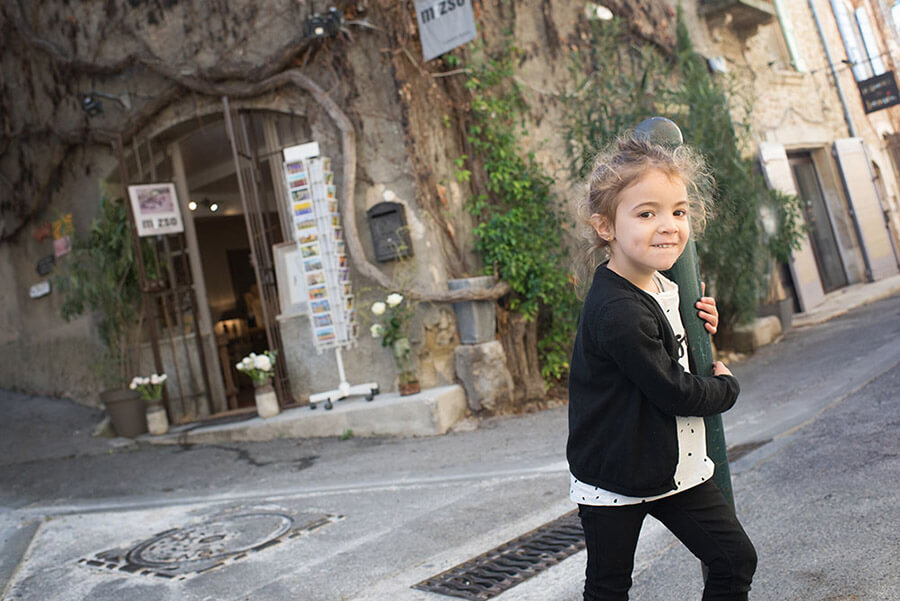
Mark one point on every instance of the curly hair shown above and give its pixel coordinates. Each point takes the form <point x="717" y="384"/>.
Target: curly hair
<point x="622" y="163"/>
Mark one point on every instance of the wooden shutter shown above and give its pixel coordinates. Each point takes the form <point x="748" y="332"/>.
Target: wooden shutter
<point x="807" y="283"/>
<point x="865" y="203"/>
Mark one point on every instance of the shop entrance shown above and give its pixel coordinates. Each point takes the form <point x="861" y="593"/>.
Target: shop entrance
<point x="235" y="198"/>
<point x="210" y="295"/>
<point x="821" y="233"/>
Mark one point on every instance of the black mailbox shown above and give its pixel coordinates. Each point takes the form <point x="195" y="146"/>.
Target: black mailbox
<point x="390" y="234"/>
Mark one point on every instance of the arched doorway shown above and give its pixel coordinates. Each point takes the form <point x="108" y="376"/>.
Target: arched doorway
<point x="231" y="195"/>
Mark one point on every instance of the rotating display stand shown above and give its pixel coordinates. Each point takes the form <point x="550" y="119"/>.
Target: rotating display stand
<point x="322" y="261"/>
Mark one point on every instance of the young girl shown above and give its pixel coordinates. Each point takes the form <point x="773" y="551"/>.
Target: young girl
<point x="637" y="443"/>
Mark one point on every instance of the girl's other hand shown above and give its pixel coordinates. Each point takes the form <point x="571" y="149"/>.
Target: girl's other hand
<point x="719" y="369"/>
<point x="708" y="311"/>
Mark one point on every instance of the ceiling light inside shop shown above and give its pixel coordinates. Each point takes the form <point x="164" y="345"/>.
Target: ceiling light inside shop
<point x="213" y="206"/>
<point x="192" y="205"/>
<point x="597" y="11"/>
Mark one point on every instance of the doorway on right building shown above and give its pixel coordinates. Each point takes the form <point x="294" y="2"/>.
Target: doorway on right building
<point x="819" y="223"/>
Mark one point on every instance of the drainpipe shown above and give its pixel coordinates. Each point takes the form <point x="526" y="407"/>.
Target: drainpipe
<point x="837" y="83"/>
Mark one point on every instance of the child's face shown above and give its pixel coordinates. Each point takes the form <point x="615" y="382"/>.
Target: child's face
<point x="651" y="226"/>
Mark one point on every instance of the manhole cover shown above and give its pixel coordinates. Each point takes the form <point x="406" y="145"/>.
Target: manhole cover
<point x="503" y="567"/>
<point x="197" y="548"/>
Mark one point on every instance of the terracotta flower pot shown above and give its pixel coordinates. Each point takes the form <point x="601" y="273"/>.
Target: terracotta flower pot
<point x="408" y="388"/>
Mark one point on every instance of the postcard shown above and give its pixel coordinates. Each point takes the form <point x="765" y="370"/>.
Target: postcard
<point x="318" y="307"/>
<point x="310" y="250"/>
<point x="312" y="264"/>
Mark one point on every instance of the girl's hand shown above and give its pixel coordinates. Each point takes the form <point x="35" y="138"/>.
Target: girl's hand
<point x="708" y="311"/>
<point x="719" y="369"/>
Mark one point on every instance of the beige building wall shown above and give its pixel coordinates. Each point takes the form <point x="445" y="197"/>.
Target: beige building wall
<point x="795" y="104"/>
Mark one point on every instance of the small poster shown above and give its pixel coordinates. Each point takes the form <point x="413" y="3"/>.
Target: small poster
<point x="156" y="209"/>
<point x="62" y="235"/>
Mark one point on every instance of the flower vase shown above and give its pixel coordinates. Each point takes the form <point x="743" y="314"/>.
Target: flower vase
<point x="408" y="384"/>
<point x="157" y="421"/>
<point x="266" y="401"/>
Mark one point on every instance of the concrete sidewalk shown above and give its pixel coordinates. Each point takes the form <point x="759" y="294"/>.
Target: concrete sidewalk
<point x="431" y="412"/>
<point x="844" y="299"/>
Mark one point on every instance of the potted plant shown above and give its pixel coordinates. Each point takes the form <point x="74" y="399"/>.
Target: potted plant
<point x="99" y="277"/>
<point x="395" y="312"/>
<point x="261" y="368"/>
<point x="150" y="389"/>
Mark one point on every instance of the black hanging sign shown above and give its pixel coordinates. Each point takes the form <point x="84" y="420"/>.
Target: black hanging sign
<point x="879" y="92"/>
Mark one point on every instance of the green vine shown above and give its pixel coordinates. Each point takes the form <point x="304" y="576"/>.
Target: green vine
<point x="99" y="276"/>
<point x="519" y="230"/>
<point x="618" y="83"/>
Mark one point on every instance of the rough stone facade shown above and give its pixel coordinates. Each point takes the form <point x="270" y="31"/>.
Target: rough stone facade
<point x="176" y="60"/>
<point x="795" y="104"/>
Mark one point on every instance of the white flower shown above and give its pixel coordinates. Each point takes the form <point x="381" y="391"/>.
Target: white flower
<point x="378" y="308"/>
<point x="163" y="378"/>
<point x="154" y="379"/>
<point x="133" y="384"/>
<point x="394" y="299"/>
<point x="377" y="330"/>
<point x="145" y="381"/>
<point x="263" y="363"/>
<point x="239" y="366"/>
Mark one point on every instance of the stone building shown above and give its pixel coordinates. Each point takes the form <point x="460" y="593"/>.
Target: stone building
<point x="799" y="65"/>
<point x="207" y="96"/>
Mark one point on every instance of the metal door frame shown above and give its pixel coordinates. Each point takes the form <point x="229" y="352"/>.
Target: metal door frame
<point x="167" y="301"/>
<point x="258" y="227"/>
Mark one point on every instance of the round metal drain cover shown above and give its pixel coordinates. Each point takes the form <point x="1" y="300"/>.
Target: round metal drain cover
<point x="213" y="540"/>
<point x="218" y="541"/>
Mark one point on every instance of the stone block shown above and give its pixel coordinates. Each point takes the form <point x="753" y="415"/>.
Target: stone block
<point x="749" y="337"/>
<point x="482" y="370"/>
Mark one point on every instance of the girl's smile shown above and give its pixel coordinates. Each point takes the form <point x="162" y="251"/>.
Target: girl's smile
<point x="651" y="228"/>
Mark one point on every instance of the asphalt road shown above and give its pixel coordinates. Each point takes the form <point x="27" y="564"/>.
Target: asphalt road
<point x="363" y="519"/>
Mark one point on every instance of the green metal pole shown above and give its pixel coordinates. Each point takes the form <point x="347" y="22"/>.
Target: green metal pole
<point x="686" y="273"/>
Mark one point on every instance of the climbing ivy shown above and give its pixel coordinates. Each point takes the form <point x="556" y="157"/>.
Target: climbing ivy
<point x="618" y="83"/>
<point x="519" y="231"/>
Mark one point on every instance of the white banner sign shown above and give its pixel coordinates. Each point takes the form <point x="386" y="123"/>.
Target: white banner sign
<point x="155" y="209"/>
<point x="444" y="25"/>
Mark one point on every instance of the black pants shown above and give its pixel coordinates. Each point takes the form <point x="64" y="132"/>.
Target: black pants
<point x="700" y="517"/>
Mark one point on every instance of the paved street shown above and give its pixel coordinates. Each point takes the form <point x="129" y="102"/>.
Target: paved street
<point x="363" y="519"/>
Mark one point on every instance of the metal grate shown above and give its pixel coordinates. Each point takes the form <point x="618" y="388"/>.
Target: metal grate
<point x="513" y="562"/>
<point x="182" y="553"/>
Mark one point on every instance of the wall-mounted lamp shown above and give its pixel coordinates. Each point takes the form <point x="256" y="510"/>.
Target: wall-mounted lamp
<point x="92" y="105"/>
<point x="325" y="24"/>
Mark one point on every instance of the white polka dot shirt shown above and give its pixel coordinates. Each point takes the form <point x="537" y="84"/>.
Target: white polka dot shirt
<point x="694" y="467"/>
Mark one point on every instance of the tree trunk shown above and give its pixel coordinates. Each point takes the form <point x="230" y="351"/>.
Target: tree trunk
<point x="519" y="339"/>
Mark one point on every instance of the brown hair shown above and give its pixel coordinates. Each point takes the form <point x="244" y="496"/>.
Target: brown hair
<point x="624" y="162"/>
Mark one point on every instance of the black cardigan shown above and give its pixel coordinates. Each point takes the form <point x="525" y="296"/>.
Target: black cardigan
<point x="625" y="389"/>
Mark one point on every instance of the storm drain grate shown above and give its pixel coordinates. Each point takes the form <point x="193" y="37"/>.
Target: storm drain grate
<point x="513" y="562"/>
